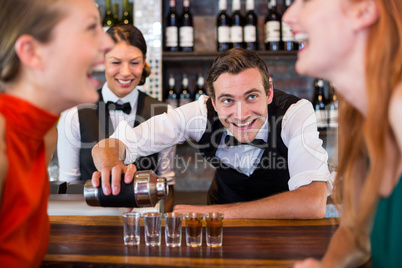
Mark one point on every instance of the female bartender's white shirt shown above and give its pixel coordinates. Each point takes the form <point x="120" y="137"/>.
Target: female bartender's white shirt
<point x="69" y="138"/>
<point x="307" y="159"/>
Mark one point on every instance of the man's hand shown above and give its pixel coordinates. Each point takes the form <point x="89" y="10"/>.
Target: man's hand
<point x="110" y="177"/>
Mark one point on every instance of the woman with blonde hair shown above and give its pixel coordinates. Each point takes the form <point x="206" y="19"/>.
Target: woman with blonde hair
<point x="48" y="50"/>
<point x="357" y="45"/>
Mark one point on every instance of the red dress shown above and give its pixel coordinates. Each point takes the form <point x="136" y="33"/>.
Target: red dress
<point x="24" y="223"/>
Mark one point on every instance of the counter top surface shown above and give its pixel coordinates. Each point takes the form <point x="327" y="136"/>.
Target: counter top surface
<point x="97" y="241"/>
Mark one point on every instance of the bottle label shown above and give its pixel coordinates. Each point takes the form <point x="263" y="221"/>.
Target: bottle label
<point x="172" y="102"/>
<point x="249" y="33"/>
<point x="171" y="36"/>
<point x="184" y="101"/>
<point x="287" y="34"/>
<point x="321" y="116"/>
<point x="236" y="34"/>
<point x="223" y="34"/>
<point x="186" y="36"/>
<point x="272" y="31"/>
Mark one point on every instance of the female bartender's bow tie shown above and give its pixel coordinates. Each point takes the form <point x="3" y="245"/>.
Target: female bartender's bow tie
<point x="125" y="107"/>
<point x="231" y="141"/>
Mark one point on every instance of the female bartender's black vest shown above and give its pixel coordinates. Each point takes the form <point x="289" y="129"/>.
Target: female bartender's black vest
<point x="95" y="125"/>
<point x="271" y="175"/>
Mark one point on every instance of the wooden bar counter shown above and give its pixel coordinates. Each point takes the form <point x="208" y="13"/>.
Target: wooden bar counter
<point x="97" y="241"/>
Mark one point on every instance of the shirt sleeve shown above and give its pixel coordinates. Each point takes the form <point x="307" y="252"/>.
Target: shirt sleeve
<point x="166" y="162"/>
<point x="163" y="131"/>
<point x="307" y="159"/>
<point x="68" y="146"/>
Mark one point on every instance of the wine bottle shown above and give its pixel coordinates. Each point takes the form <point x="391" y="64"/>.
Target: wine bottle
<point x="127" y="13"/>
<point x="171" y="31"/>
<point x="185" y="95"/>
<point x="200" y="88"/>
<point x="273" y="28"/>
<point x="223" y="27"/>
<point x="236" y="30"/>
<point x="319" y="105"/>
<point x="116" y="13"/>
<point x="288" y="41"/>
<point x="250" y="27"/>
<point x="108" y="18"/>
<point x="332" y="107"/>
<point x="186" y="30"/>
<point x="172" y="99"/>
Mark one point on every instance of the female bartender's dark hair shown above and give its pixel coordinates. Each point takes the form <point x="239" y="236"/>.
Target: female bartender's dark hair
<point x="131" y="35"/>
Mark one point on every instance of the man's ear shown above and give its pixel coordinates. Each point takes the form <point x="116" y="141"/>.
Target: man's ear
<point x="365" y="13"/>
<point x="26" y="48"/>
<point x="270" y="95"/>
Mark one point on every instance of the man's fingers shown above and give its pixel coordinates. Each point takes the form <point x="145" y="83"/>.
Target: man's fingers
<point x="96" y="178"/>
<point x="116" y="179"/>
<point x="130" y="171"/>
<point x="106" y="181"/>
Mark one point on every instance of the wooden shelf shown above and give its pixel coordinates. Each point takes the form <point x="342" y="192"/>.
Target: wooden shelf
<point x="210" y="56"/>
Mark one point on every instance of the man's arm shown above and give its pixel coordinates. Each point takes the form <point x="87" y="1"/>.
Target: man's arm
<point x="306" y="202"/>
<point x="108" y="157"/>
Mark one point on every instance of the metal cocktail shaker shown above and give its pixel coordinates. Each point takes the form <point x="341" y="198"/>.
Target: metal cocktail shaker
<point x="145" y="190"/>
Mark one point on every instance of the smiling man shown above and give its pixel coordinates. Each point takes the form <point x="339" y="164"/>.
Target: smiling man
<point x="263" y="142"/>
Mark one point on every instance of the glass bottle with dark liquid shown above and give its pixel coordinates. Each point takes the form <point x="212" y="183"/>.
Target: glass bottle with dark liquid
<point x="273" y="28"/>
<point x="223" y="28"/>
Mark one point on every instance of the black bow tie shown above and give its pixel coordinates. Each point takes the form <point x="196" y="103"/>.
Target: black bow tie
<point x="125" y="107"/>
<point x="231" y="141"/>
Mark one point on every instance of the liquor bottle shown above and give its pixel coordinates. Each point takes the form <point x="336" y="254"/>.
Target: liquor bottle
<point x="223" y="28"/>
<point x="200" y="88"/>
<point x="288" y="41"/>
<point x="172" y="25"/>
<point x="236" y="30"/>
<point x="145" y="190"/>
<point x="116" y="13"/>
<point x="127" y="13"/>
<point x="250" y="27"/>
<point x="172" y="99"/>
<point x="319" y="105"/>
<point x="186" y="30"/>
<point x="332" y="107"/>
<point x="273" y="28"/>
<point x="185" y="95"/>
<point x="108" y="19"/>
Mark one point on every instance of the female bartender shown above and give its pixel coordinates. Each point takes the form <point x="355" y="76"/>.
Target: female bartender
<point x="80" y="128"/>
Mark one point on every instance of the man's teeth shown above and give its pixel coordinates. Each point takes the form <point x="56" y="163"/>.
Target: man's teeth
<point x="245" y="124"/>
<point x="124" y="82"/>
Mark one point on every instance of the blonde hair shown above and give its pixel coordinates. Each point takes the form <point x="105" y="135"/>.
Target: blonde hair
<point x="18" y="17"/>
<point x="361" y="139"/>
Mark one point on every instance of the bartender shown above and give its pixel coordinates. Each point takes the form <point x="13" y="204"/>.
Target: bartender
<point x="119" y="99"/>
<point x="264" y="143"/>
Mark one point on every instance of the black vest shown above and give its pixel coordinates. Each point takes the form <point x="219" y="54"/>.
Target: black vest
<point x="271" y="175"/>
<point x="95" y="125"/>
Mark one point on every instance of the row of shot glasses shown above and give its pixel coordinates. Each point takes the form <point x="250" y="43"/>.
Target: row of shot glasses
<point x="173" y="228"/>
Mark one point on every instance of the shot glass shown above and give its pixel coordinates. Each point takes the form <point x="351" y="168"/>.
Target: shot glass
<point x="214" y="232"/>
<point x="131" y="225"/>
<point x="194" y="229"/>
<point x="173" y="222"/>
<point x="152" y="223"/>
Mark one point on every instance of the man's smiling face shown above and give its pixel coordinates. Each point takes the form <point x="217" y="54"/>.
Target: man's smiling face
<point x="241" y="103"/>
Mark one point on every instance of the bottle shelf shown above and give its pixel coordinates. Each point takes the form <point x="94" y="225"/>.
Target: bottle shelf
<point x="210" y="56"/>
